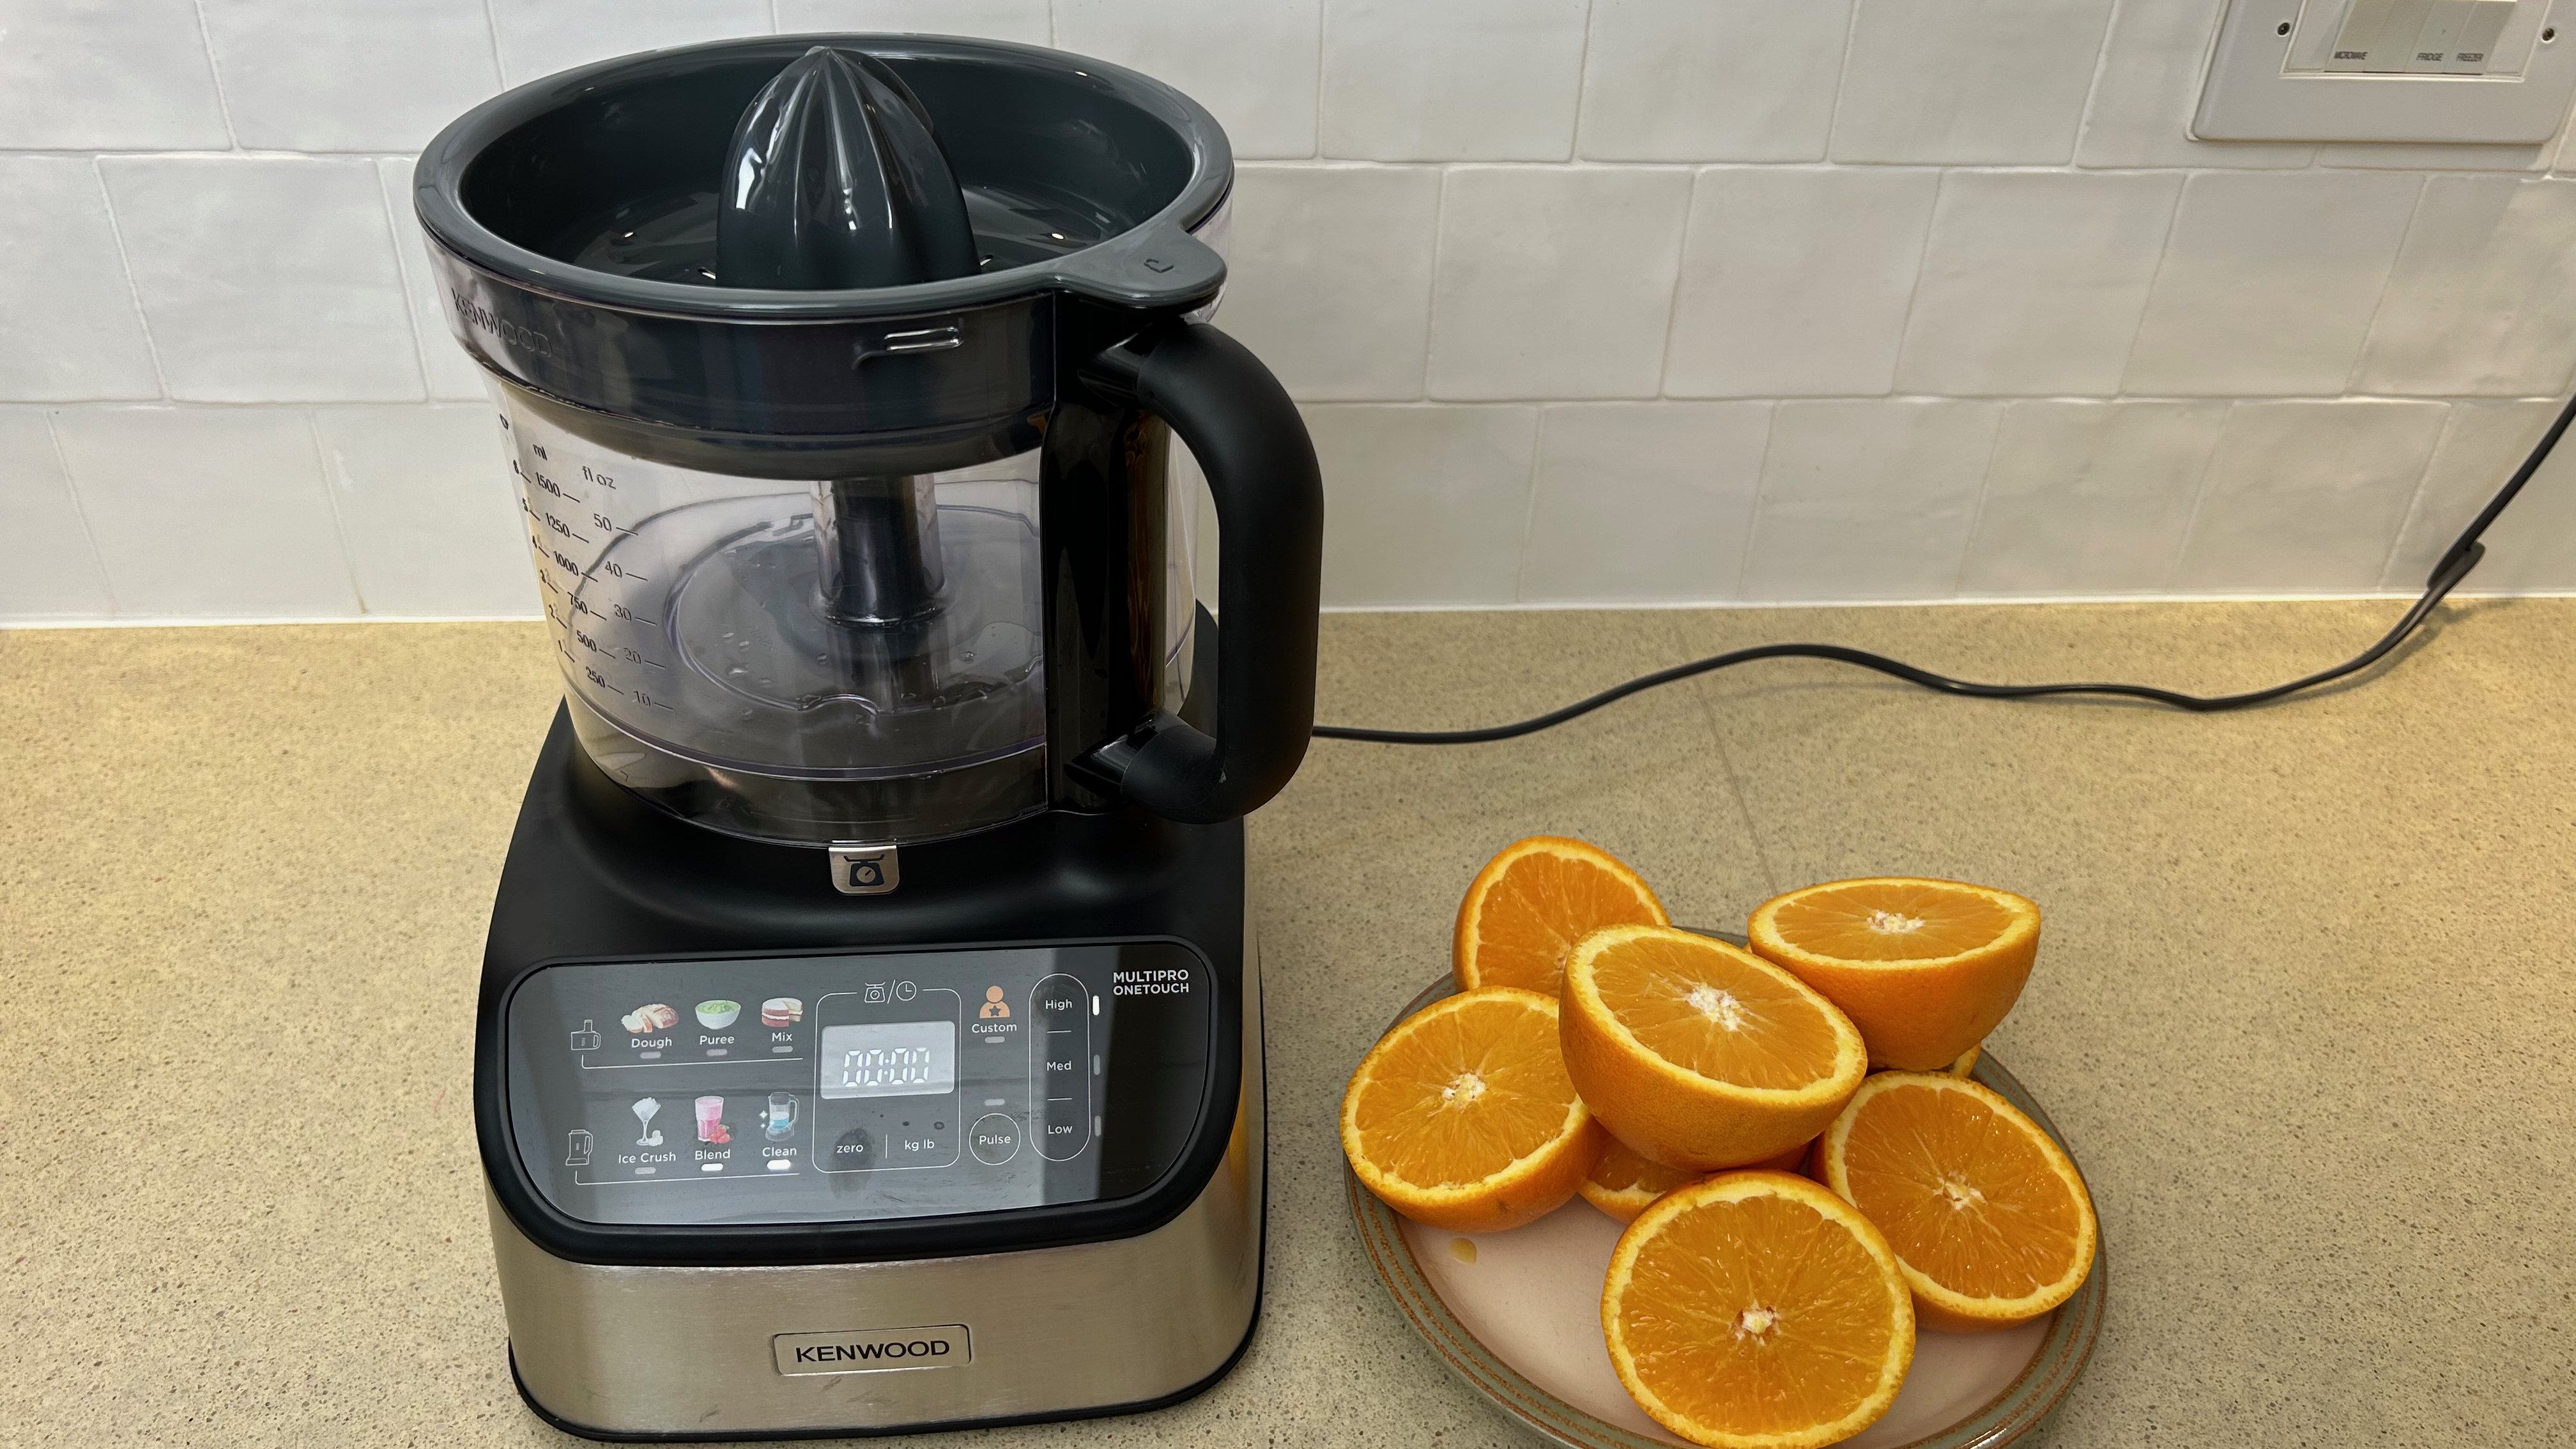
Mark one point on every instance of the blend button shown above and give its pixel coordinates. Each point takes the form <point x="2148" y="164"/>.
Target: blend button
<point x="994" y="1139"/>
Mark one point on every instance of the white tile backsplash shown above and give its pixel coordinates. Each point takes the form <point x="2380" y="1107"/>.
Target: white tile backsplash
<point x="2532" y="544"/>
<point x="1256" y="72"/>
<point x="2033" y="281"/>
<point x="1970" y="82"/>
<point x="1024" y="21"/>
<point x="450" y="373"/>
<point x="1868" y="499"/>
<point x="1642" y="502"/>
<point x="1555" y="283"/>
<point x="1451" y="80"/>
<point x="106" y="75"/>
<point x="47" y="568"/>
<point x="1329" y="277"/>
<point x="77" y="334"/>
<point x="2269" y="282"/>
<point x="266" y="280"/>
<point x="2483" y="297"/>
<point x="426" y="506"/>
<point x="1711" y="80"/>
<point x="2305" y="497"/>
<point x="1422" y="504"/>
<point x="1541" y="269"/>
<point x="2089" y="497"/>
<point x="1795" y="282"/>
<point x="540" y="37"/>
<point x="208" y="512"/>
<point x="380" y="76"/>
<point x="2149" y="88"/>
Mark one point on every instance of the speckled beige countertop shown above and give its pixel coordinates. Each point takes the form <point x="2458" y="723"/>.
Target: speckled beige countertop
<point x="2304" y="1005"/>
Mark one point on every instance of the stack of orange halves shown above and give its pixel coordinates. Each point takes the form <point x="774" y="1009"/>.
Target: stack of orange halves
<point x="1682" y="1085"/>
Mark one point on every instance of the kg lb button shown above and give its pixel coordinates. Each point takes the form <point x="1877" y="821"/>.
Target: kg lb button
<point x="995" y="1139"/>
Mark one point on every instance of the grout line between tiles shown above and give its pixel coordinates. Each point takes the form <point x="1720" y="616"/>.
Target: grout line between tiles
<point x="1582" y="79"/>
<point x="215" y="72"/>
<point x="2415" y="501"/>
<point x="1753" y="507"/>
<point x="125" y="268"/>
<point x="2387" y="283"/>
<point x="322" y="472"/>
<point x="492" y="38"/>
<point x="80" y="510"/>
<point x="1707" y="710"/>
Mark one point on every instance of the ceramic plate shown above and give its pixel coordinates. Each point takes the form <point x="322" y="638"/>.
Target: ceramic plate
<point x="1518" y="1315"/>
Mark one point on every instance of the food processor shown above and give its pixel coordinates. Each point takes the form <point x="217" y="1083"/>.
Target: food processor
<point x="870" y="1026"/>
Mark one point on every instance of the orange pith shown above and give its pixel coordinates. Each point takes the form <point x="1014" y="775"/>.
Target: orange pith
<point x="1757" y="1311"/>
<point x="1990" y="1220"/>
<point x="1925" y="968"/>
<point x="1529" y="905"/>
<point x="1463" y="1117"/>
<point x="1699" y="1055"/>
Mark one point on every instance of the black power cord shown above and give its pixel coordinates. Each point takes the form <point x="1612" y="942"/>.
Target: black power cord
<point x="2462" y="556"/>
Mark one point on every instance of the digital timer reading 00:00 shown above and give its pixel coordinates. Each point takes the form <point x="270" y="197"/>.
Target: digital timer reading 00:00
<point x="889" y="1059"/>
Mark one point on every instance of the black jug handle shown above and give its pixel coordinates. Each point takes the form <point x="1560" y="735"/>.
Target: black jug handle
<point x="1269" y="494"/>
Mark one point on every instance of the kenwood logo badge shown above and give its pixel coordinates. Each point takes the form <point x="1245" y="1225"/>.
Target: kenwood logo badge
<point x="872" y="1350"/>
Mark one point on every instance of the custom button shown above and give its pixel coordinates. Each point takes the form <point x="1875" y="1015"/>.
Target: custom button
<point x="994" y="1139"/>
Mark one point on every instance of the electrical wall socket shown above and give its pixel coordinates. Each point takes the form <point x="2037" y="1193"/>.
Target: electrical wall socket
<point x="2494" y="72"/>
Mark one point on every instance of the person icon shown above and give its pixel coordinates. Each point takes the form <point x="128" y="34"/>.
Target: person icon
<point x="994" y="1006"/>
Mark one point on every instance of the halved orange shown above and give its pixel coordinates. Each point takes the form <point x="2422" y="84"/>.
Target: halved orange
<point x="1529" y="905"/>
<point x="1925" y="968"/>
<point x="1701" y="1055"/>
<point x="1989" y="1218"/>
<point x="1757" y="1311"/>
<point x="1625" y="1182"/>
<point x="1966" y="1065"/>
<point x="1462" y="1117"/>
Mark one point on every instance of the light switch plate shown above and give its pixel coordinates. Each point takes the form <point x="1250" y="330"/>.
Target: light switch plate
<point x="2268" y="81"/>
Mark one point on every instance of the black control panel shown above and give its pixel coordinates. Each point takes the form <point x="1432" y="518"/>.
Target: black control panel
<point x="857" y="1087"/>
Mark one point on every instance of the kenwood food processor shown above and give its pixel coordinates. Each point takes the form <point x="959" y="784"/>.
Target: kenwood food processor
<point x="870" y="1034"/>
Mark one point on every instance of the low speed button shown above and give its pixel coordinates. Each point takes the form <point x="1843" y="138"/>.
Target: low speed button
<point x="994" y="1139"/>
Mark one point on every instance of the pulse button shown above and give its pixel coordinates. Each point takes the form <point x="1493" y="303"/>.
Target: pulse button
<point x="994" y="1139"/>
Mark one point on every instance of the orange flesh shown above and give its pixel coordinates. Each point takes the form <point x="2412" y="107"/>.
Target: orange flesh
<point x="1705" y="1011"/>
<point x="1891" y="923"/>
<point x="1964" y="1196"/>
<point x="1544" y="903"/>
<point x="1462" y="1096"/>
<point x="1621" y="1169"/>
<point x="1757" y="1317"/>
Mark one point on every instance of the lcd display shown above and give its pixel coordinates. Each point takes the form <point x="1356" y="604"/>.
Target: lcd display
<point x="889" y="1059"/>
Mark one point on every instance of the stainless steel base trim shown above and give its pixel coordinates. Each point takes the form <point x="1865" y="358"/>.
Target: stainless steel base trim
<point x="628" y="1351"/>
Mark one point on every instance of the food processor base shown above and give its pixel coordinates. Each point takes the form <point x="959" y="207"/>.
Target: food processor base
<point x="1018" y="1325"/>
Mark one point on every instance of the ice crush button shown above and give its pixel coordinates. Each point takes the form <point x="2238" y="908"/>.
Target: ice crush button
<point x="994" y="1139"/>
<point x="872" y="1350"/>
